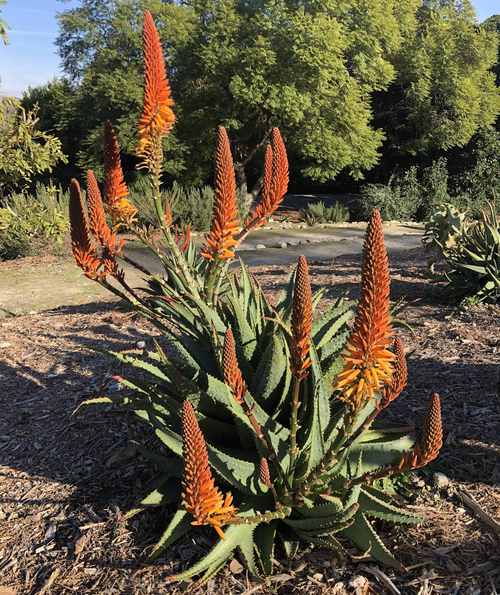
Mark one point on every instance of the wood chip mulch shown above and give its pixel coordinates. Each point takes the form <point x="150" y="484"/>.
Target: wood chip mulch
<point x="66" y="480"/>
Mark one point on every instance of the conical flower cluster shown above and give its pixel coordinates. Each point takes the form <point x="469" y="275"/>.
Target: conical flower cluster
<point x="431" y="439"/>
<point x="367" y="359"/>
<point x="157" y="117"/>
<point x="232" y="373"/>
<point x="264" y="473"/>
<point x="120" y="209"/>
<point x="275" y="182"/>
<point x="399" y="376"/>
<point x="95" y="266"/>
<point x="221" y="238"/>
<point x="82" y="245"/>
<point x="302" y="318"/>
<point x="200" y="496"/>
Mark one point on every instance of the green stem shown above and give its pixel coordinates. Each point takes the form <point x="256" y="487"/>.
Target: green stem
<point x="266" y="517"/>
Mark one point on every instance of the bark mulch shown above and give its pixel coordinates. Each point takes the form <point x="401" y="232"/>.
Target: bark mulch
<point x="66" y="480"/>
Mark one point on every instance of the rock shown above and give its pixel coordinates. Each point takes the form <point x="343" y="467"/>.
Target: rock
<point x="260" y="247"/>
<point x="441" y="481"/>
<point x="235" y="567"/>
<point x="4" y="344"/>
<point x="141" y="344"/>
<point x="283" y="245"/>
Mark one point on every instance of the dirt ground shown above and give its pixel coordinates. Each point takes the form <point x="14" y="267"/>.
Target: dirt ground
<point x="66" y="480"/>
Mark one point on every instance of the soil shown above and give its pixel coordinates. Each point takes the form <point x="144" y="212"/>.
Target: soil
<point x="67" y="479"/>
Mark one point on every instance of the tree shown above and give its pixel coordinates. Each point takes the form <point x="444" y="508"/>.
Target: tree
<point x="3" y="24"/>
<point x="308" y="67"/>
<point x="25" y="151"/>
<point x="445" y="90"/>
<point x="493" y="24"/>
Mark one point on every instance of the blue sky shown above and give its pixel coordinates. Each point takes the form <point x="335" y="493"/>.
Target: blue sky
<point x="31" y="59"/>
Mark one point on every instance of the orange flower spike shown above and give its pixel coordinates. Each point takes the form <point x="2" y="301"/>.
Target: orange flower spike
<point x="97" y="216"/>
<point x="399" y="377"/>
<point x="168" y="216"/>
<point x="232" y="373"/>
<point x="221" y="238"/>
<point x="120" y="209"/>
<point x="367" y="359"/>
<point x="275" y="183"/>
<point x="431" y="440"/>
<point x="97" y="219"/>
<point x="432" y="433"/>
<point x="157" y="117"/>
<point x="264" y="473"/>
<point x="302" y="317"/>
<point x="81" y="243"/>
<point x="200" y="496"/>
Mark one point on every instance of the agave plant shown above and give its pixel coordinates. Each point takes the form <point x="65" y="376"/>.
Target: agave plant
<point x="265" y="411"/>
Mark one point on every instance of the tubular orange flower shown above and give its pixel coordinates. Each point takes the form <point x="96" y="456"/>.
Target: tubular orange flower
<point x="275" y="184"/>
<point x="200" y="496"/>
<point x="301" y="321"/>
<point x="232" y="373"/>
<point x="168" y="216"/>
<point x="183" y="238"/>
<point x="81" y="243"/>
<point x="431" y="440"/>
<point x="157" y="116"/>
<point x="399" y="377"/>
<point x="367" y="360"/>
<point x="119" y="207"/>
<point x="264" y="474"/>
<point x="225" y="225"/>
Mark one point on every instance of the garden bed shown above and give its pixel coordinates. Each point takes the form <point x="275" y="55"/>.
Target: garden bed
<point x="67" y="480"/>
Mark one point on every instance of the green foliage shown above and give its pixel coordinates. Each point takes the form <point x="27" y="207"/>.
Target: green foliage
<point x="445" y="89"/>
<point x="478" y="180"/>
<point x="3" y="25"/>
<point x="470" y="253"/>
<point x="318" y="212"/>
<point x="190" y="205"/>
<point x="31" y="225"/>
<point x="308" y="68"/>
<point x="399" y="199"/>
<point x="25" y="151"/>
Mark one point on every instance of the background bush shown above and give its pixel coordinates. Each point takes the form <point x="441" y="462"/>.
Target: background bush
<point x="190" y="205"/>
<point x="31" y="225"/>
<point x="320" y="213"/>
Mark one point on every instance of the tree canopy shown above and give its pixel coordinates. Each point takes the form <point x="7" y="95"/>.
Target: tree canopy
<point x="343" y="79"/>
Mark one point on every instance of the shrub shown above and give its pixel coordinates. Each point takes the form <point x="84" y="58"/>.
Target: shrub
<point x="319" y="213"/>
<point x="31" y="225"/>
<point x="271" y="403"/>
<point x="190" y="205"/>
<point x="391" y="199"/>
<point x="469" y="250"/>
<point x="25" y="151"/>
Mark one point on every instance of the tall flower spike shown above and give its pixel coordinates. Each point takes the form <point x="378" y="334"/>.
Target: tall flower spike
<point x="221" y="238"/>
<point x="399" y="376"/>
<point x="120" y="209"/>
<point x="81" y="242"/>
<point x="431" y="439"/>
<point x="232" y="373"/>
<point x="97" y="217"/>
<point x="264" y="474"/>
<point x="275" y="183"/>
<point x="157" y="117"/>
<point x="367" y="359"/>
<point x="200" y="496"/>
<point x="302" y="316"/>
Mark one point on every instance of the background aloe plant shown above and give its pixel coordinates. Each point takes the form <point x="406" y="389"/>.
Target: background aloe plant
<point x="266" y="410"/>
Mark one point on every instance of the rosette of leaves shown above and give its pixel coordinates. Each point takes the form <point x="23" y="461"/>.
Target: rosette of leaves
<point x="472" y="266"/>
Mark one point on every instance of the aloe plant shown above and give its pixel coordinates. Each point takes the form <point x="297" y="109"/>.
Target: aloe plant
<point x="265" y="410"/>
